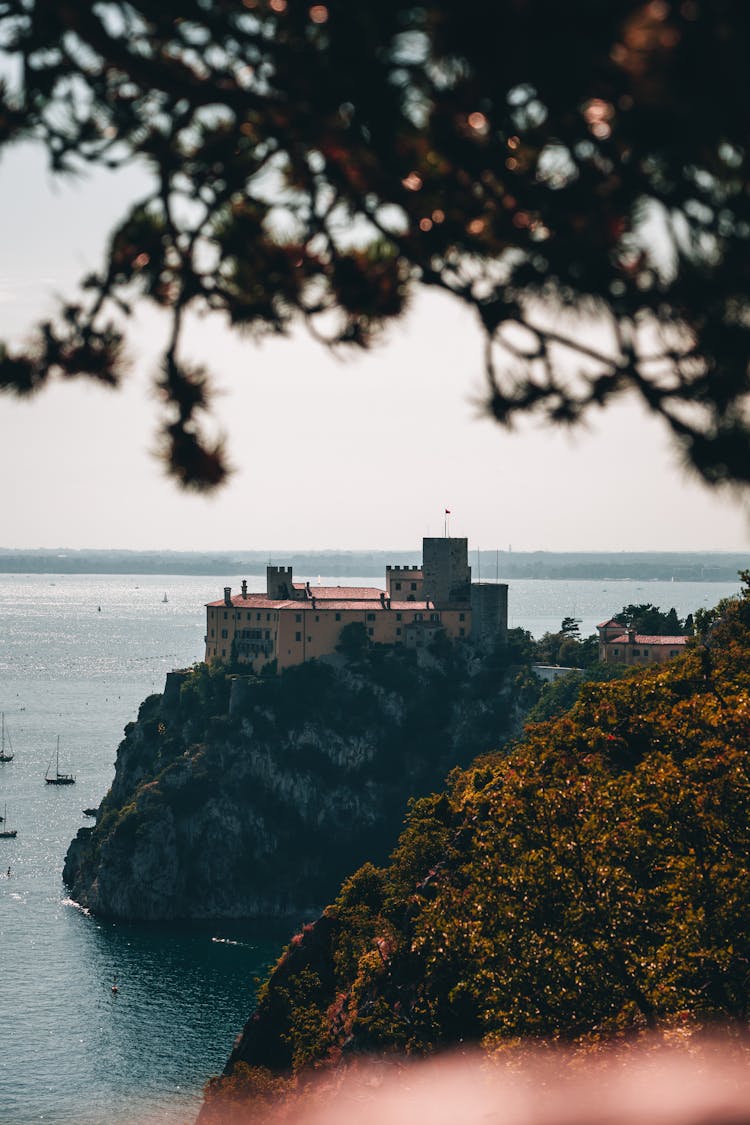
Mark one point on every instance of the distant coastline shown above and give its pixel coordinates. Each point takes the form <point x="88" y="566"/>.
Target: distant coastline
<point x="681" y="566"/>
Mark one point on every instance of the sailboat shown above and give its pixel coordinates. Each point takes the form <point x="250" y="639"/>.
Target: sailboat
<point x="165" y="598"/>
<point x="58" y="778"/>
<point x="5" y="832"/>
<point x="5" y="755"/>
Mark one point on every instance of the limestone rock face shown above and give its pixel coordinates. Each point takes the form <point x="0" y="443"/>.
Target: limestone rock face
<point x="255" y="798"/>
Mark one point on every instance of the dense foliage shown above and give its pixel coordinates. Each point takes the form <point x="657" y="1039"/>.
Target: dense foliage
<point x="649" y="619"/>
<point x="566" y="647"/>
<point x="594" y="881"/>
<point x="545" y="163"/>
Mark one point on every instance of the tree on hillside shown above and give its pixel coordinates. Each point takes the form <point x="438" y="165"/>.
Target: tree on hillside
<point x="545" y="163"/>
<point x="570" y="626"/>
<point x="591" y="882"/>
<point x="649" y="619"/>
<point x="566" y="647"/>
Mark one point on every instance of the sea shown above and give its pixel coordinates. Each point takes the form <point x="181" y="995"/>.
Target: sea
<point x="78" y="653"/>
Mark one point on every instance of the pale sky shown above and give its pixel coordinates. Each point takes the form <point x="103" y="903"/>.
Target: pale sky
<point x="327" y="454"/>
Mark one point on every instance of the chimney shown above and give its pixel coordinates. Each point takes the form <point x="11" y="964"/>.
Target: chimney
<point x="228" y="595"/>
<point x="631" y="636"/>
<point x="244" y="588"/>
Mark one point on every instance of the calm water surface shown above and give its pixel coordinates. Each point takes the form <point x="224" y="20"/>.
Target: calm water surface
<point x="78" y="653"/>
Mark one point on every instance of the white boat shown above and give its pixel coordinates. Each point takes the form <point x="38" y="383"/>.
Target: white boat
<point x="5" y="755"/>
<point x="58" y="778"/>
<point x="5" y="832"/>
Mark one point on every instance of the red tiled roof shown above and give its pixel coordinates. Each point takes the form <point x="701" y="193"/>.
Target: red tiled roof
<point x="256" y="601"/>
<point x="340" y="593"/>
<point x="643" y="639"/>
<point x="262" y="601"/>
<point x="346" y="593"/>
<point x="611" y="621"/>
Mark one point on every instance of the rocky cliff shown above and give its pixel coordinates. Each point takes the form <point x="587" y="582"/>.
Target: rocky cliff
<point x="237" y="797"/>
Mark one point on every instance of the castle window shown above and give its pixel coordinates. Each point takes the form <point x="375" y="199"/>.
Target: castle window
<point x="225" y="615"/>
<point x="398" y="585"/>
<point x="370" y="632"/>
<point x="616" y="651"/>
<point x="417" y="616"/>
<point x="268" y="634"/>
<point x="298" y="617"/>
<point x="398" y="632"/>
<point x="309" y="640"/>
<point x="258" y="618"/>
<point x="434" y="617"/>
<point x="462" y="617"/>
<point x="223" y="652"/>
<point x="224" y="634"/>
<point x="212" y="632"/>
<point x="338" y="616"/>
<point x="298" y="636"/>
<point x="413" y="585"/>
<point x="673" y="652"/>
<point x="317" y="617"/>
<point x="461" y="631"/>
<point x="370" y="616"/>
<point x="636" y="652"/>
<point x="268" y="616"/>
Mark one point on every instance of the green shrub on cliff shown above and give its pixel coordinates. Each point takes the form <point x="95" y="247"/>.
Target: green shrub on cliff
<point x="592" y="882"/>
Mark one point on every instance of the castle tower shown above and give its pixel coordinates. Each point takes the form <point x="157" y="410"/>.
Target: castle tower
<point x="279" y="583"/>
<point x="489" y="613"/>
<point x="446" y="571"/>
<point x="404" y="583"/>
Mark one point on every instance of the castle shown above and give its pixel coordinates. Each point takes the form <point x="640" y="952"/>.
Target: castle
<point x="293" y="622"/>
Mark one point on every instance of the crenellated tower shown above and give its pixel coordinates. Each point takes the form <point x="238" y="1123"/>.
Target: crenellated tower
<point x="279" y="583"/>
<point x="446" y="571"/>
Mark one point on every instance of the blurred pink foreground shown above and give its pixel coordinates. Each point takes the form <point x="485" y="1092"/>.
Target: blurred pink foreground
<point x="706" y="1084"/>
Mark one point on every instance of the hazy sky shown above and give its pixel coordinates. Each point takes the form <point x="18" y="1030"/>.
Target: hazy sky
<point x="364" y="453"/>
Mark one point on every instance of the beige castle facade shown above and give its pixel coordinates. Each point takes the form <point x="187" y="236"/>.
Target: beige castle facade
<point x="293" y="622"/>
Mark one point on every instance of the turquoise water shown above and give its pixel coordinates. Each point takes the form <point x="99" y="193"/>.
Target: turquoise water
<point x="77" y="655"/>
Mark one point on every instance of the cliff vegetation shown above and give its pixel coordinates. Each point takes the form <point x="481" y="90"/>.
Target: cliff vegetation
<point x="590" y="883"/>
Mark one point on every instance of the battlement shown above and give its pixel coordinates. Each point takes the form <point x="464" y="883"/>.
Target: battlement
<point x="279" y="582"/>
<point x="447" y="574"/>
<point x="404" y="582"/>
